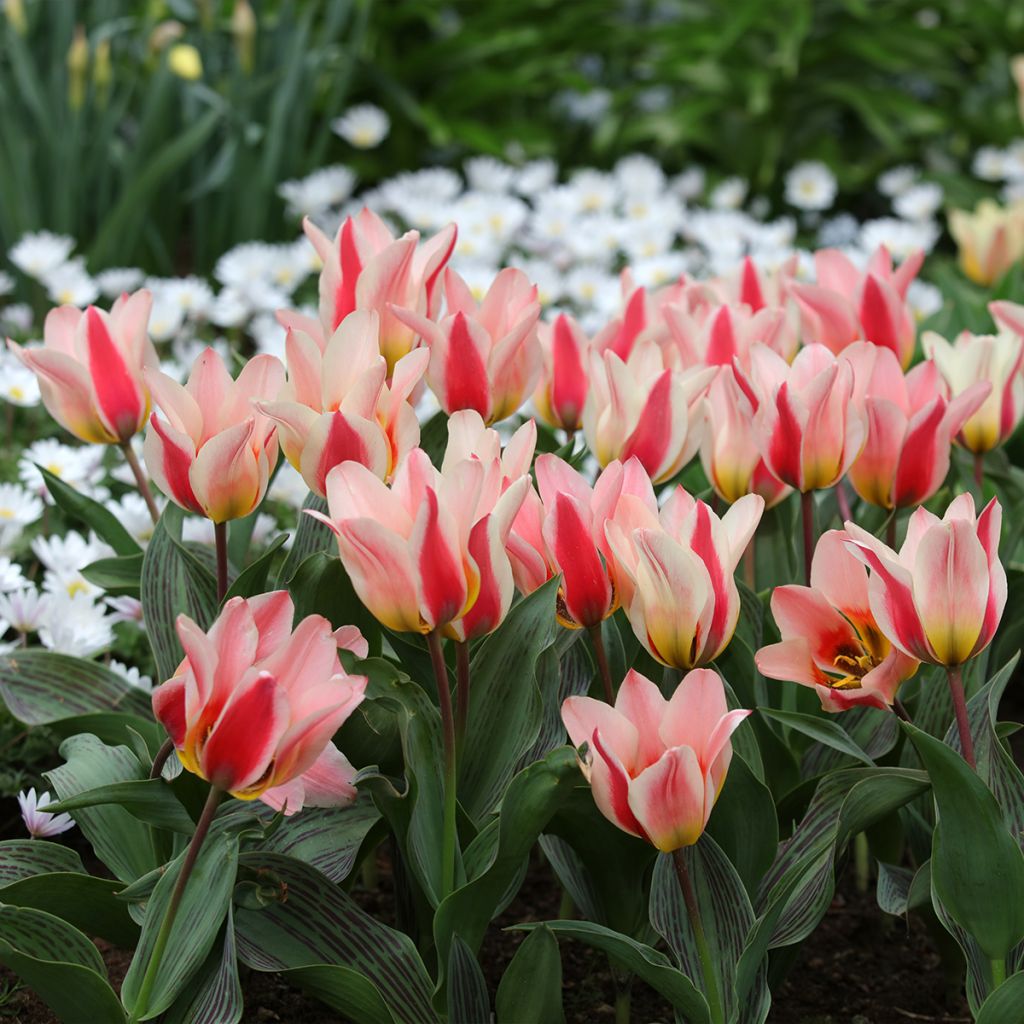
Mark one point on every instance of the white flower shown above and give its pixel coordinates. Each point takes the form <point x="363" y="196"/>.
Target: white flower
<point x="1012" y="191"/>
<point x="6" y="283"/>
<point x="192" y="295"/>
<point x="70" y="284"/>
<point x="264" y="528"/>
<point x="919" y="202"/>
<point x="536" y="176"/>
<point x="640" y="176"/>
<point x="689" y="184"/>
<point x="65" y="557"/>
<point x="166" y="317"/>
<point x="76" y="626"/>
<point x="592" y="286"/>
<point x="655" y="271"/>
<point x="319" y="191"/>
<point x="131" y="675"/>
<point x="811" y="186"/>
<point x="117" y="280"/>
<point x="924" y="299"/>
<point x="197" y="530"/>
<point x="989" y="164"/>
<point x="364" y="126"/>
<point x="18" y="508"/>
<point x="838" y="231"/>
<point x="1015" y="160"/>
<point x="17" y="317"/>
<point x="37" y="821"/>
<point x="728" y="194"/>
<point x="900" y="237"/>
<point x="125" y="608"/>
<point x="268" y="334"/>
<point x="39" y="252"/>
<point x="11" y="576"/>
<point x="18" y="384"/>
<point x="487" y="174"/>
<point x="25" y="610"/>
<point x="132" y="513"/>
<point x="595" y="191"/>
<point x="897" y="180"/>
<point x="76" y="466"/>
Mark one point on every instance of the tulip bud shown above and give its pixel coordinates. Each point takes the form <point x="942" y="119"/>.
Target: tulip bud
<point x="243" y="29"/>
<point x="102" y="72"/>
<point x="78" y="68"/>
<point x="185" y="62"/>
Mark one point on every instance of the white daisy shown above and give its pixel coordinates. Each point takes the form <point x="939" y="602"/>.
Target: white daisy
<point x="76" y="626"/>
<point x="25" y="610"/>
<point x="132" y="675"/>
<point x="70" y="284"/>
<point x="919" y="202"/>
<point x="39" y="823"/>
<point x="125" y="608"/>
<point x="728" y="194"/>
<point x="319" y="191"/>
<point x="486" y="174"/>
<point x="117" y="280"/>
<point x="897" y="180"/>
<point x="364" y="126"/>
<point x="40" y="252"/>
<point x="811" y="186"/>
<point x="924" y="299"/>
<point x="11" y="576"/>
<point x="18" y="384"/>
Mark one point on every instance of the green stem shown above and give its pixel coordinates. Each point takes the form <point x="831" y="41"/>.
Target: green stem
<point x="750" y="566"/>
<point x="862" y="861"/>
<point x="220" y="534"/>
<point x="956" y="690"/>
<point x="998" y="972"/>
<point x="890" y="530"/>
<point x="622" y="1006"/>
<point x="165" y="751"/>
<point x="807" y="515"/>
<point x="140" y="480"/>
<point x="444" y="698"/>
<point x="979" y="472"/>
<point x="149" y="979"/>
<point x="602" y="662"/>
<point x="461" y="691"/>
<point x="706" y="962"/>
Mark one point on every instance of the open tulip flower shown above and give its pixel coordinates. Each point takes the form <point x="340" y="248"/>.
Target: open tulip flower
<point x="809" y="430"/>
<point x="90" y="368"/>
<point x="212" y="450"/>
<point x="366" y="267"/>
<point x="830" y="639"/>
<point x="639" y="408"/>
<point x="337" y="406"/>
<point x="254" y="704"/>
<point x="656" y="766"/>
<point x="940" y="598"/>
<point x="847" y="304"/>
<point x="483" y="357"/>
<point x="562" y="390"/>
<point x="910" y="427"/>
<point x="995" y="358"/>
<point x="990" y="239"/>
<point x="562" y="531"/>
<point x="677" y="575"/>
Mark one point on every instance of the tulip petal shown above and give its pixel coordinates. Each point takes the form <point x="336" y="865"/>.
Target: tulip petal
<point x="169" y="708"/>
<point x="336" y="438"/>
<point x="668" y="800"/>
<point x="226" y="477"/>
<point x="119" y="395"/>
<point x="582" y="716"/>
<point x="586" y="591"/>
<point x="328" y="783"/>
<point x="610" y="785"/>
<point x="169" y="455"/>
<point x="639" y="700"/>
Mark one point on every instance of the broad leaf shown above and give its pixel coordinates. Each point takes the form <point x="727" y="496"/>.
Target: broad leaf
<point x="90" y="513"/>
<point x="824" y="730"/>
<point x="149" y="800"/>
<point x="252" y="580"/>
<point x="311" y="536"/>
<point x="531" y="987"/>
<point x="468" y="1002"/>
<point x="214" y="996"/>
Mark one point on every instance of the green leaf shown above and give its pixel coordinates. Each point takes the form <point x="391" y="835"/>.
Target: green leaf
<point x="42" y="687"/>
<point x="1004" y="1003"/>
<point x="824" y="730"/>
<point x="252" y="580"/>
<point x="214" y="995"/>
<point x="203" y="908"/>
<point x="893" y="888"/>
<point x="23" y="858"/>
<point x="468" y="1002"/>
<point x="174" y="581"/>
<point x="149" y="800"/>
<point x="91" y="513"/>
<point x="121" y="575"/>
<point x="645" y="962"/>
<point x="977" y="866"/>
<point x="505" y="703"/>
<point x="320" y="939"/>
<point x="59" y="964"/>
<point x="531" y="987"/>
<point x="311" y="536"/>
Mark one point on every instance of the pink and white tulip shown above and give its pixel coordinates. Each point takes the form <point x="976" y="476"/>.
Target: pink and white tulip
<point x="254" y="704"/>
<point x="940" y="598"/>
<point x="212" y="451"/>
<point x="562" y="390"/>
<point x="656" y="767"/>
<point x="90" y="368"/>
<point x="830" y="639"/>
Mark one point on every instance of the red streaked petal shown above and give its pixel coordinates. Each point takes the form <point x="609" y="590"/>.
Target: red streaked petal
<point x="586" y="590"/>
<point x="118" y="389"/>
<point x="668" y="800"/>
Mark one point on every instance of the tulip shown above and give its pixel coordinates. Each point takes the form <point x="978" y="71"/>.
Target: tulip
<point x="562" y="390"/>
<point x="830" y="639"/>
<point x="996" y="359"/>
<point x="367" y="268"/>
<point x="847" y="304"/>
<point x="718" y="334"/>
<point x="214" y="451"/>
<point x="641" y="320"/>
<point x="729" y="450"/>
<point x="336" y="406"/>
<point x="990" y="240"/>
<point x="941" y="597"/>
<point x="910" y="427"/>
<point x="254" y="704"/>
<point x="90" y="368"/>
<point x="656" y="766"/>
<point x="677" y="575"/>
<point x="483" y="357"/>
<point x="640" y="408"/>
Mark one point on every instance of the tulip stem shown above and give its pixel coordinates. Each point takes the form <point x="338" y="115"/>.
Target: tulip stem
<point x="149" y="979"/>
<point x="843" y="502"/>
<point x="890" y="530"/>
<point x="165" y="751"/>
<point x="444" y="697"/>
<point x="900" y="709"/>
<point x="807" y="515"/>
<point x="602" y="662"/>
<point x="140" y="480"/>
<point x="956" y="690"/>
<point x="220" y="534"/>
<point x="998" y="972"/>
<point x="750" y="566"/>
<point x="693" y="911"/>
<point x="461" y="690"/>
<point x="979" y="472"/>
<point x="862" y="861"/>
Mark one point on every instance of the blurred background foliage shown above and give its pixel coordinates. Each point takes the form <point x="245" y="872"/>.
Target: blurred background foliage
<point x="156" y="131"/>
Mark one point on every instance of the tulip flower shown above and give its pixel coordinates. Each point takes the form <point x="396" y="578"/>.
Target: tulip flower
<point x="90" y="368"/>
<point x="809" y="430"/>
<point x="830" y="639"/>
<point x="990" y="240"/>
<point x="484" y="357"/>
<point x="367" y="268"/>
<point x="983" y="357"/>
<point x="729" y="450"/>
<point x="910" y="427"/>
<point x="336" y="406"/>
<point x="562" y="389"/>
<point x="717" y="334"/>
<point x="640" y="408"/>
<point x="214" y="451"/>
<point x="641" y="320"/>
<point x="677" y="575"/>
<point x="656" y="766"/>
<point x="847" y="304"/>
<point x="254" y="704"/>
